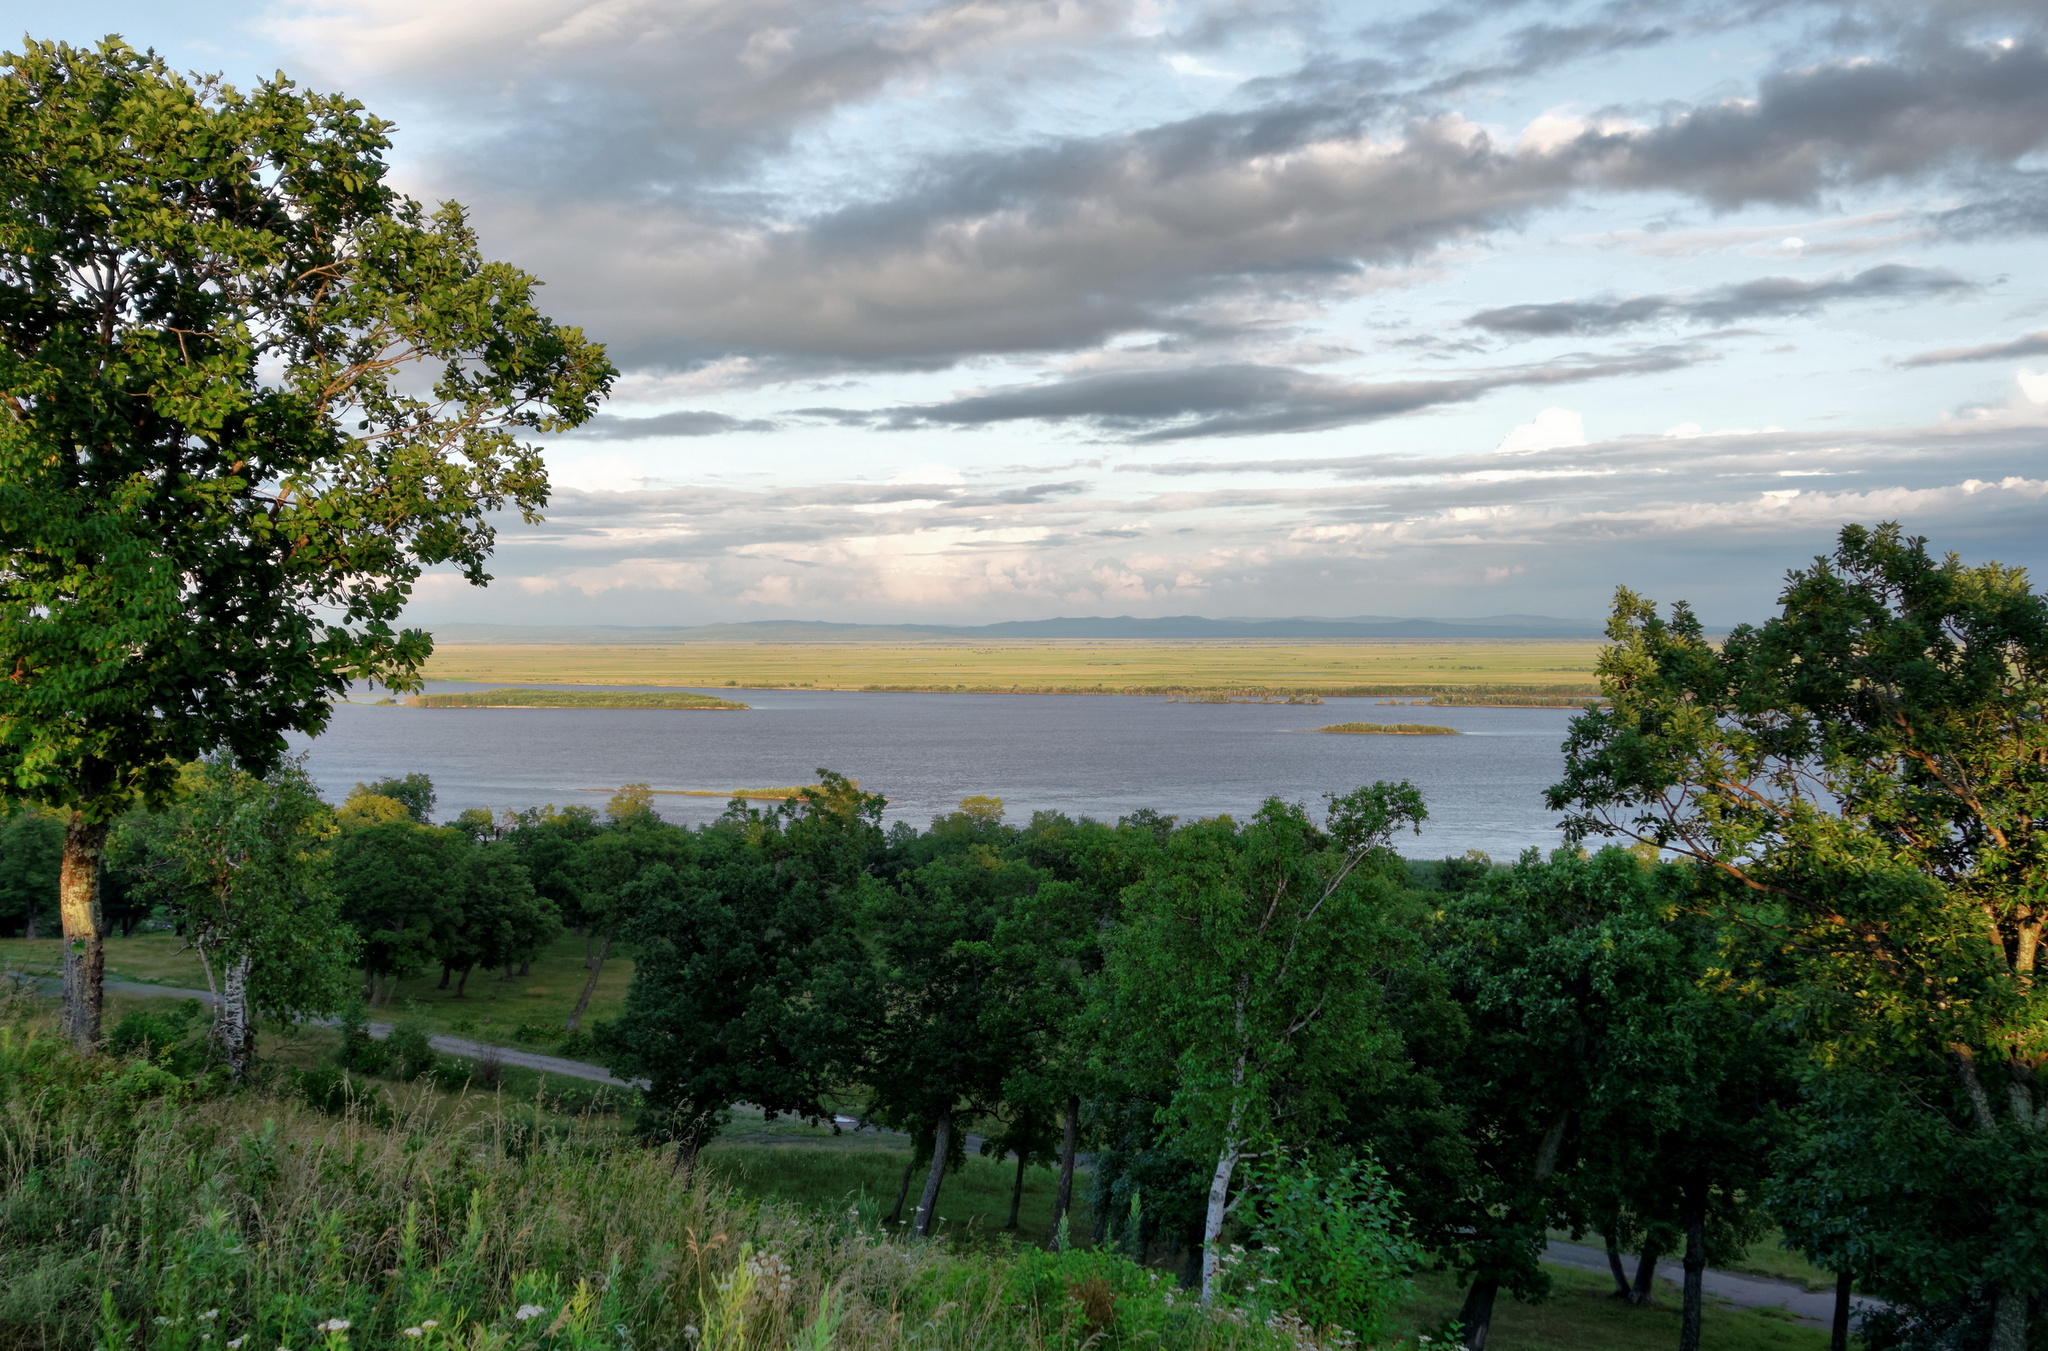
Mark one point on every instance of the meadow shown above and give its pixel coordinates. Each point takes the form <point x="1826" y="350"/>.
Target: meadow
<point x="1330" y="669"/>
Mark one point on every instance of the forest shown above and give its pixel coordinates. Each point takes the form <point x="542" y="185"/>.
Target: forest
<point x="1783" y="984"/>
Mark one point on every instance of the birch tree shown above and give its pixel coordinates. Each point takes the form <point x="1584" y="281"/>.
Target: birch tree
<point x="1235" y="978"/>
<point x="241" y="863"/>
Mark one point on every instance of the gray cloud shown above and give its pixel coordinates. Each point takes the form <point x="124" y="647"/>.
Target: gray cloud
<point x="1765" y="297"/>
<point x="1244" y="400"/>
<point x="607" y="427"/>
<point x="2033" y="344"/>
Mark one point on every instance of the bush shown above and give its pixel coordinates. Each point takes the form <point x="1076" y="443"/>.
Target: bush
<point x="1093" y="1296"/>
<point x="536" y="1034"/>
<point x="1333" y="1250"/>
<point x="410" y="1048"/>
<point x="359" y="1051"/>
<point x="173" y="1038"/>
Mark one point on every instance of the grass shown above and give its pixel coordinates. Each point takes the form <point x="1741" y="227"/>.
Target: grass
<point x="514" y="698"/>
<point x="491" y="1011"/>
<point x="1095" y="668"/>
<point x="1583" y="1315"/>
<point x="1390" y="729"/>
<point x="1492" y="700"/>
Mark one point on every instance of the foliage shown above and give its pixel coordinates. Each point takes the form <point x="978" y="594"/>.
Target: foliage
<point x="1332" y="1248"/>
<point x="144" y="1213"/>
<point x="1864" y="776"/>
<point x="31" y="848"/>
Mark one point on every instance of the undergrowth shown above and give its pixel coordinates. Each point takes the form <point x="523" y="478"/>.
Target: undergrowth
<point x="147" y="1206"/>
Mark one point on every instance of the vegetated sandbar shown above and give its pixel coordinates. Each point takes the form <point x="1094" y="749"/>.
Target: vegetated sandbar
<point x="1330" y="670"/>
<point x="751" y="794"/>
<point x="513" y="698"/>
<point x="1390" y="729"/>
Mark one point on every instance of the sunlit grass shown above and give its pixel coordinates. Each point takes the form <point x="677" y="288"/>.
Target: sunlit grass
<point x="1556" y="668"/>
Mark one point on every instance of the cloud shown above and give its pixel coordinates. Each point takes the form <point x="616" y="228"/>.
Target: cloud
<point x="1764" y="297"/>
<point x="1549" y="429"/>
<point x="2033" y="344"/>
<point x="607" y="427"/>
<point x="1244" y="400"/>
<point x="702" y="145"/>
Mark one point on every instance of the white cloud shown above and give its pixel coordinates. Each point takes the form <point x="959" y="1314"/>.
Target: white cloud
<point x="2034" y="386"/>
<point x="1548" y="430"/>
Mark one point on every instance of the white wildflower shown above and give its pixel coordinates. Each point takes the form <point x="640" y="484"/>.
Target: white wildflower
<point x="415" y="1332"/>
<point x="210" y="1314"/>
<point x="236" y="1343"/>
<point x="431" y="1323"/>
<point x="334" y="1325"/>
<point x="527" y="1311"/>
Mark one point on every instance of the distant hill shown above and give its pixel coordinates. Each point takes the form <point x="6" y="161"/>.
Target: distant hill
<point x="1121" y="628"/>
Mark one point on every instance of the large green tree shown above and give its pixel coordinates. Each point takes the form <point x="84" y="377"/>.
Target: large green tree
<point x="748" y="965"/>
<point x="1865" y="776"/>
<point x="248" y="392"/>
<point x="1232" y="978"/>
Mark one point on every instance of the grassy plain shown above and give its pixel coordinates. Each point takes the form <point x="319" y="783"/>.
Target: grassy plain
<point x="1583" y="1315"/>
<point x="1099" y="668"/>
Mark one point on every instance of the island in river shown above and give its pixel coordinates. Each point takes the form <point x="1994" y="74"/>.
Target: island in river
<point x="518" y="698"/>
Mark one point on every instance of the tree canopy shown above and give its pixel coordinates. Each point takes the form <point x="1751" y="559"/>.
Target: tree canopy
<point x="248" y="392"/>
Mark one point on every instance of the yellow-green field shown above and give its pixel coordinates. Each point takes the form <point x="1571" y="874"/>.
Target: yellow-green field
<point x="1106" y="668"/>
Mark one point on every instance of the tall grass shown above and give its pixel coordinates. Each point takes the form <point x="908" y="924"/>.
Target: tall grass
<point x="143" y="1210"/>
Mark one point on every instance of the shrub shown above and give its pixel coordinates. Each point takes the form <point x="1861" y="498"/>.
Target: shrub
<point x="174" y="1038"/>
<point x="410" y="1050"/>
<point x="1333" y="1249"/>
<point x="359" y="1051"/>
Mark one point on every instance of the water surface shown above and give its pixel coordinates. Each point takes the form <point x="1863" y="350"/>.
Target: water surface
<point x="1086" y="755"/>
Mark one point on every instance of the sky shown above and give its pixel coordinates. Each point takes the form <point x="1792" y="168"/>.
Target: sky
<point x="960" y="311"/>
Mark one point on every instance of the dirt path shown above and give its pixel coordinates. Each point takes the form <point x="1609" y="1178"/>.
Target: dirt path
<point x="1815" y="1308"/>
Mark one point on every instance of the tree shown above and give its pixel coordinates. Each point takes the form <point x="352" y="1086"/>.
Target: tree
<point x="250" y="392"/>
<point x="414" y="792"/>
<point x="748" y="974"/>
<point x="31" y="852"/>
<point x="1866" y="777"/>
<point x="609" y="869"/>
<point x="1231" y="977"/>
<point x="401" y="891"/>
<point x="952" y="1030"/>
<point x="241" y="863"/>
<point x="500" y="919"/>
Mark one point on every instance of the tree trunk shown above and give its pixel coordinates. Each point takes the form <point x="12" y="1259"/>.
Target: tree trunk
<point x="1695" y="1266"/>
<point x="1614" y="1266"/>
<point x="1218" y="1210"/>
<point x="1016" y="1193"/>
<point x="942" y="1142"/>
<point x="1063" y="1199"/>
<point x="30" y="932"/>
<point x="1838" y="1335"/>
<point x="231" y="1017"/>
<point x="589" y="986"/>
<point x="1646" y="1275"/>
<point x="526" y="968"/>
<point x="2009" y="1322"/>
<point x="447" y="970"/>
<point x="461" y="986"/>
<point x="903" y="1191"/>
<point x="589" y="937"/>
<point x="1475" y="1320"/>
<point x="85" y="939"/>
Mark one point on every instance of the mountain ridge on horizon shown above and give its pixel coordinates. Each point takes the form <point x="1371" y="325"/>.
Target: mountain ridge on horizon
<point x="1083" y="628"/>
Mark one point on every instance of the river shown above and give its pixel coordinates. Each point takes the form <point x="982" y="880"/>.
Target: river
<point x="1085" y="755"/>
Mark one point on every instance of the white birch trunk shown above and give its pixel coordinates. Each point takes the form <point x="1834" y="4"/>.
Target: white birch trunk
<point x="1219" y="1209"/>
<point x="232" y="1020"/>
